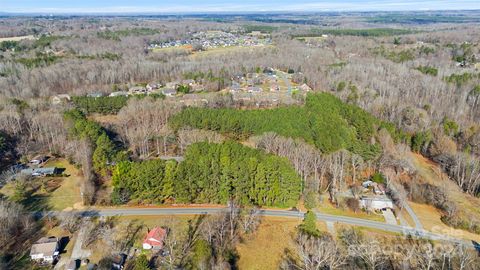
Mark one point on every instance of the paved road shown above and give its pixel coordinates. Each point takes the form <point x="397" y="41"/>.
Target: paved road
<point x="275" y="213"/>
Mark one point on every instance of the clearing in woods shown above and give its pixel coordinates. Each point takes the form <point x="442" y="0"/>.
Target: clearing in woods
<point x="429" y="215"/>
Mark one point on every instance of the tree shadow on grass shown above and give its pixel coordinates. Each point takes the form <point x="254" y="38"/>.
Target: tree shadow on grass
<point x="36" y="203"/>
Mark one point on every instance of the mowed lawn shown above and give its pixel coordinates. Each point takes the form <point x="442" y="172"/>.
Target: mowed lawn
<point x="68" y="194"/>
<point x="430" y="218"/>
<point x="265" y="249"/>
<point x="53" y="193"/>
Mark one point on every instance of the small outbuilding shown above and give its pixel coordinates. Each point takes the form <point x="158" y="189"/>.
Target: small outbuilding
<point x="38" y="160"/>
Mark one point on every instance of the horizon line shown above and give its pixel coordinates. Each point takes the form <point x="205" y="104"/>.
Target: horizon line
<point x="227" y="12"/>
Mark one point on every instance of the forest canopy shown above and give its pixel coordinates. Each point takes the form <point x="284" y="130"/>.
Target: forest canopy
<point x="210" y="173"/>
<point x="324" y="121"/>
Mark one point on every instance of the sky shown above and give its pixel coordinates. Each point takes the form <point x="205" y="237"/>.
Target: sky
<point x="199" y="6"/>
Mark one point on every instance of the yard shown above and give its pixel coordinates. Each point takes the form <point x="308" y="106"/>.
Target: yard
<point x="53" y="193"/>
<point x="430" y="218"/>
<point x="326" y="207"/>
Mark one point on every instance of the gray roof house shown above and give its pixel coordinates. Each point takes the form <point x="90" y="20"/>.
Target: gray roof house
<point x="169" y="92"/>
<point x="45" y="250"/>
<point x="40" y="171"/>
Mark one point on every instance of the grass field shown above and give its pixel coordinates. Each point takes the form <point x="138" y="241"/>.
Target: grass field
<point x="53" y="193"/>
<point x="17" y="38"/>
<point x="469" y="206"/>
<point x="430" y="218"/>
<point x="264" y="249"/>
<point x="68" y="194"/>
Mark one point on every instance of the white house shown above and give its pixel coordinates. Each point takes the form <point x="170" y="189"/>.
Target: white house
<point x="376" y="203"/>
<point x="60" y="99"/>
<point x="118" y="94"/>
<point x="45" y="250"/>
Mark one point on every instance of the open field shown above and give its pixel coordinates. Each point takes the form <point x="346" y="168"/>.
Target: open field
<point x="17" y="38"/>
<point x="186" y="49"/>
<point x="431" y="173"/>
<point x="430" y="218"/>
<point x="265" y="248"/>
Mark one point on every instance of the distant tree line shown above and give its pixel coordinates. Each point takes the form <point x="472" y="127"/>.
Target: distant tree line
<point x="370" y="32"/>
<point x="210" y="173"/>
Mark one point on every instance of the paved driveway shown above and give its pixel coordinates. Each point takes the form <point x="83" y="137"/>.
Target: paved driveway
<point x="389" y="217"/>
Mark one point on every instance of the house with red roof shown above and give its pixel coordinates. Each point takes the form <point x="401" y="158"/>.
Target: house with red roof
<point x="154" y="239"/>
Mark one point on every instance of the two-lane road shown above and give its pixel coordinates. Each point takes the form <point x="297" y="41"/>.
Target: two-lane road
<point x="274" y="213"/>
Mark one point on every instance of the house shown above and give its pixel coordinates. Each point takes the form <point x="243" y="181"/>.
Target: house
<point x="376" y="203"/>
<point x="304" y="87"/>
<point x="189" y="82"/>
<point x="118" y="261"/>
<point x="154" y="239"/>
<point x="196" y="87"/>
<point x="274" y="88"/>
<point x="41" y="171"/>
<point x="367" y="184"/>
<point x="137" y="90"/>
<point x="118" y="94"/>
<point x="378" y="189"/>
<point x="254" y="89"/>
<point x="38" y="160"/>
<point x="60" y="99"/>
<point x="45" y="250"/>
<point x="269" y="71"/>
<point x="169" y="92"/>
<point x="95" y="95"/>
<point x="172" y="85"/>
<point x="153" y="86"/>
<point x="235" y="87"/>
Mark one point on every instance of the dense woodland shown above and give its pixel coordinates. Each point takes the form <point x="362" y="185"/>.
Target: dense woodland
<point x="324" y="121"/>
<point x="210" y="173"/>
<point x="383" y="89"/>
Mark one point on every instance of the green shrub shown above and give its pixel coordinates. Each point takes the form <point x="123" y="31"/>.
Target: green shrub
<point x="428" y="70"/>
<point x="378" y="178"/>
